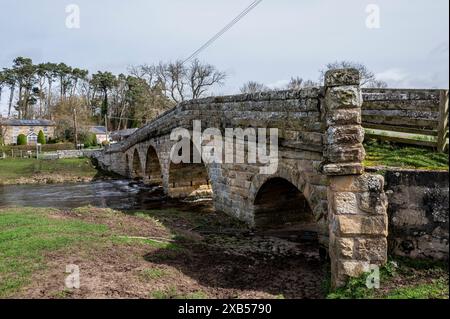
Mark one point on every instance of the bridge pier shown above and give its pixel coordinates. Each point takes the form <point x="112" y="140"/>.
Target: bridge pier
<point x="357" y="204"/>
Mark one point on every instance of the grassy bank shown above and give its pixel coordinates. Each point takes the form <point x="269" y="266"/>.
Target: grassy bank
<point x="174" y="254"/>
<point x="392" y="155"/>
<point x="28" y="171"/>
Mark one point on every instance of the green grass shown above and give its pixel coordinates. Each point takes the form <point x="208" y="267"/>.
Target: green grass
<point x="438" y="289"/>
<point x="385" y="154"/>
<point x="27" y="234"/>
<point x="407" y="271"/>
<point x="153" y="273"/>
<point x="12" y="169"/>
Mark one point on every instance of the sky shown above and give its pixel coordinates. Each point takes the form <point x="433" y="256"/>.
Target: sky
<point x="408" y="48"/>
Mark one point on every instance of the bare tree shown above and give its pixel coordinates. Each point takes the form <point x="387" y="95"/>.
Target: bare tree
<point x="295" y="83"/>
<point x="173" y="77"/>
<point x="181" y="82"/>
<point x="377" y="84"/>
<point x="368" y="78"/>
<point x="254" y="87"/>
<point x="202" y="77"/>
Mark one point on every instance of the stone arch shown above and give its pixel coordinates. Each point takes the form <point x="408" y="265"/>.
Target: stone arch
<point x="279" y="203"/>
<point x="294" y="177"/>
<point x="153" y="172"/>
<point x="189" y="179"/>
<point x="136" y="170"/>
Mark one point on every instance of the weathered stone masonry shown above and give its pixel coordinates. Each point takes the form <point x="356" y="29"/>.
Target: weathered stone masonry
<point x="320" y="154"/>
<point x="357" y="204"/>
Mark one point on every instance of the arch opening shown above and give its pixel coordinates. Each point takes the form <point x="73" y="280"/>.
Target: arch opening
<point x="136" y="172"/>
<point x="189" y="179"/>
<point x="127" y="165"/>
<point x="153" y="168"/>
<point x="280" y="207"/>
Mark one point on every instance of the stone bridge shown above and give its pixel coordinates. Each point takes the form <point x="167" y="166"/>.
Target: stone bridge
<point x="319" y="179"/>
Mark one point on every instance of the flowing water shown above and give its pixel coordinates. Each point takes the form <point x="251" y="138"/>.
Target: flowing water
<point x="115" y="194"/>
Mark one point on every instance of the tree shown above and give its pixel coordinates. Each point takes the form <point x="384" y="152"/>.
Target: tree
<point x="298" y="83"/>
<point x="64" y="73"/>
<point x="181" y="82"/>
<point x="24" y="72"/>
<point x="253" y="87"/>
<point x="21" y="139"/>
<point x="173" y="75"/>
<point x="295" y="83"/>
<point x="377" y="84"/>
<point x="41" y="74"/>
<point x="2" y="83"/>
<point x="51" y="72"/>
<point x="77" y="76"/>
<point x="104" y="82"/>
<point x="367" y="77"/>
<point x="41" y="138"/>
<point x="202" y="77"/>
<point x="10" y="81"/>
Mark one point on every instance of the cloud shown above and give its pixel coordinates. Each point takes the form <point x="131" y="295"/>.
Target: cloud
<point x="392" y="75"/>
<point x="399" y="78"/>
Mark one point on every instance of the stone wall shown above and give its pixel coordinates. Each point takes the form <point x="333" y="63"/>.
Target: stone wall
<point x="68" y="154"/>
<point x="418" y="213"/>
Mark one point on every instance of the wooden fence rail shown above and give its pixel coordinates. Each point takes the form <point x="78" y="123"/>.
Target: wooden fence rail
<point x="418" y="117"/>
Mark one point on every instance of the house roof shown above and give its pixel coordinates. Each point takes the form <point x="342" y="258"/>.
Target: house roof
<point x="15" y="122"/>
<point x="97" y="129"/>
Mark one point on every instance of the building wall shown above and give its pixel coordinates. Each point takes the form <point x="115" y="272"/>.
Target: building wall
<point x="13" y="131"/>
<point x="101" y="138"/>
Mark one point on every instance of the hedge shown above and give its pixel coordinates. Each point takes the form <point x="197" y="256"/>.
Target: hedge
<point x="41" y="138"/>
<point x="21" y="140"/>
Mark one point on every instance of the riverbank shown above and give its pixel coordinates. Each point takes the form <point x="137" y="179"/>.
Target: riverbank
<point x="190" y="252"/>
<point x="33" y="171"/>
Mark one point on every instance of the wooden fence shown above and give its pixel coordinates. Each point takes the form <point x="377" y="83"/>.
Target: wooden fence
<point x="418" y="117"/>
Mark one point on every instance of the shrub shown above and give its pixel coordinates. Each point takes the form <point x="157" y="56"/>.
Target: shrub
<point x="89" y="139"/>
<point x="41" y="138"/>
<point x="21" y="139"/>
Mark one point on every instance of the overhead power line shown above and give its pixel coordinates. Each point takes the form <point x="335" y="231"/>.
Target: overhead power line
<point x="253" y="5"/>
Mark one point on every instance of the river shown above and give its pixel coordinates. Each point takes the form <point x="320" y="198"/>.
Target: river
<point x="115" y="194"/>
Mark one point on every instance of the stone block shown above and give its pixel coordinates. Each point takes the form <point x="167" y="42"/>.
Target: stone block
<point x="343" y="169"/>
<point x="362" y="183"/>
<point x="342" y="77"/>
<point x="373" y="202"/>
<point x="343" y="97"/>
<point x="348" y="134"/>
<point x="344" y="117"/>
<point x="345" y="153"/>
<point x="348" y="225"/>
<point x="345" y="203"/>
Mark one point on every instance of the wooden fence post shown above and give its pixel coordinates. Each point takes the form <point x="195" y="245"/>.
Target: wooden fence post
<point x="443" y="122"/>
